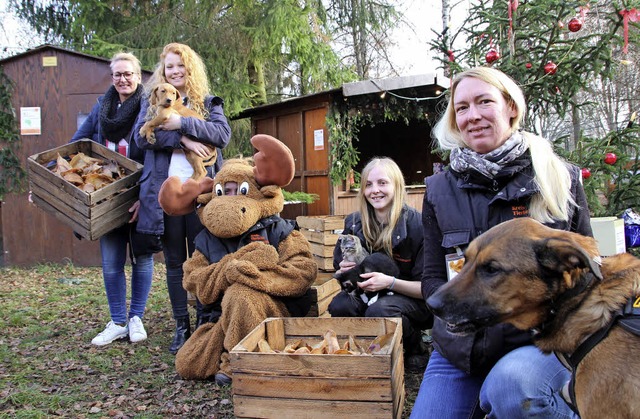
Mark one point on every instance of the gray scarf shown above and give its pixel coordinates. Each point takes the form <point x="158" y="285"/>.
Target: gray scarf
<point x="464" y="160"/>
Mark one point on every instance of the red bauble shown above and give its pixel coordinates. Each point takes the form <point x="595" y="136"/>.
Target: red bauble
<point x="528" y="65"/>
<point x="492" y="56"/>
<point x="610" y="158"/>
<point x="586" y="173"/>
<point x="452" y="57"/>
<point x="575" y="24"/>
<point x="550" y="68"/>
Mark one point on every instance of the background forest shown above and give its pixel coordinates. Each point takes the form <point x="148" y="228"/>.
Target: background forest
<point x="576" y="60"/>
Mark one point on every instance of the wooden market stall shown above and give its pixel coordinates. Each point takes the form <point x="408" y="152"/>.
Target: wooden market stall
<point x="302" y="124"/>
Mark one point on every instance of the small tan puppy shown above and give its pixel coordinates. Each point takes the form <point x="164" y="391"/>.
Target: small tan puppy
<point x="164" y="101"/>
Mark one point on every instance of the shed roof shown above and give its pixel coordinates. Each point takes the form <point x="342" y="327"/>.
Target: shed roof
<point x="429" y="85"/>
<point x="45" y="47"/>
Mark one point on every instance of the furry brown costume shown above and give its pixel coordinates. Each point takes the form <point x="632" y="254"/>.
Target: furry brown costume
<point x="255" y="279"/>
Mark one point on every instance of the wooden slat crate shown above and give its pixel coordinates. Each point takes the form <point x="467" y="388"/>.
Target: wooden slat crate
<point x="280" y="385"/>
<point x="322" y="291"/>
<point x="322" y="236"/>
<point x="89" y="214"/>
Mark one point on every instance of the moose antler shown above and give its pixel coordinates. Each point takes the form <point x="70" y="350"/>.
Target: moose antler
<point x="274" y="164"/>
<point x="177" y="198"/>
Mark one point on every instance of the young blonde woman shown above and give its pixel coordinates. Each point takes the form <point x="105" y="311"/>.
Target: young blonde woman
<point x="386" y="224"/>
<point x="182" y="67"/>
<point x="497" y="172"/>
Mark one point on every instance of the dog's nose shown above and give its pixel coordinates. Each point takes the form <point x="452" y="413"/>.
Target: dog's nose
<point x="243" y="210"/>
<point x="435" y="304"/>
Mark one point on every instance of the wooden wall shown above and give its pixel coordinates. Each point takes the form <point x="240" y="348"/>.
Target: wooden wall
<point x="300" y="128"/>
<point x="29" y="235"/>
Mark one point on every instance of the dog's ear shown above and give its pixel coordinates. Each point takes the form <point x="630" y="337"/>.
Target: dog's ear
<point x="153" y="98"/>
<point x="563" y="255"/>
<point x="178" y="96"/>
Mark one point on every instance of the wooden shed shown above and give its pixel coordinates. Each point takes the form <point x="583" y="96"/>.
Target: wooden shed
<point x="302" y="124"/>
<point x="61" y="86"/>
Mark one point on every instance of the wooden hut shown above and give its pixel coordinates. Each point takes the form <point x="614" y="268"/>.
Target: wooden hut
<point x="406" y="109"/>
<point x="63" y="86"/>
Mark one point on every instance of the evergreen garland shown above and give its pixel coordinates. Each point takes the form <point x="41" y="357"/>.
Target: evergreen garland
<point x="12" y="175"/>
<point x="345" y="118"/>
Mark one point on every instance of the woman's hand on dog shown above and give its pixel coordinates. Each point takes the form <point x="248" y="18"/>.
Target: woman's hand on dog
<point x="172" y="123"/>
<point x="197" y="147"/>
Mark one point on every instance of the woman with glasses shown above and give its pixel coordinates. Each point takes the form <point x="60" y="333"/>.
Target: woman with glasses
<point x="183" y="68"/>
<point x="110" y="123"/>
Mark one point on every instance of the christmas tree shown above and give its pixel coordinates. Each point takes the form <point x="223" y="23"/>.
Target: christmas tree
<point x="575" y="61"/>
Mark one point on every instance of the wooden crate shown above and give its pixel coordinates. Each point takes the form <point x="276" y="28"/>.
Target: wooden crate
<point x="322" y="236"/>
<point x="278" y="385"/>
<point x="89" y="214"/>
<point x="322" y="291"/>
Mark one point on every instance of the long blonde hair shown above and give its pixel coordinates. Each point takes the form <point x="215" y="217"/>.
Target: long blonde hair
<point x="551" y="173"/>
<point x="379" y="237"/>
<point x="197" y="82"/>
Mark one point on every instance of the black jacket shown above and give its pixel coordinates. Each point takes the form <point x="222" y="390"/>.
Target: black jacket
<point x="406" y="242"/>
<point x="456" y="209"/>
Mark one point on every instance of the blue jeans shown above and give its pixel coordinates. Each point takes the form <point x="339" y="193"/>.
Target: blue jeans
<point x="177" y="242"/>
<point x="113" y="248"/>
<point x="525" y="383"/>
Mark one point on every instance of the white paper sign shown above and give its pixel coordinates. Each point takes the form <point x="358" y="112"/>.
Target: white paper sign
<point x="30" y="121"/>
<point x="318" y="139"/>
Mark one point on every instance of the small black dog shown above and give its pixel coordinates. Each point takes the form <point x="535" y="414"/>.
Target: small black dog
<point x="375" y="262"/>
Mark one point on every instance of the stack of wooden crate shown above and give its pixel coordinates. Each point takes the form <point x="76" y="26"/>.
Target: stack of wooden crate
<point x="322" y="235"/>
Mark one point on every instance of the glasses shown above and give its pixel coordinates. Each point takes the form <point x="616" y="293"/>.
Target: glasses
<point x="127" y="75"/>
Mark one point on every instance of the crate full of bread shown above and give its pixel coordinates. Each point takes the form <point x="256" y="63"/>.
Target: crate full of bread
<point x="85" y="185"/>
<point x="320" y="368"/>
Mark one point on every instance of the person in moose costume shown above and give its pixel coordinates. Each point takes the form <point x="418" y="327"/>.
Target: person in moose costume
<point x="249" y="263"/>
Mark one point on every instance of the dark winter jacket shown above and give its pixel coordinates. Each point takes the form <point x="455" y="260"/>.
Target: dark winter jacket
<point x="406" y="242"/>
<point x="91" y="129"/>
<point x="456" y="209"/>
<point x="214" y="131"/>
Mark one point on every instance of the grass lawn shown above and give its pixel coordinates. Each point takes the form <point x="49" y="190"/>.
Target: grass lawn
<point x="48" y="368"/>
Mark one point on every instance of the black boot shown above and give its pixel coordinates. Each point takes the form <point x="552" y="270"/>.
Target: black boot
<point x="183" y="332"/>
<point x="208" y="313"/>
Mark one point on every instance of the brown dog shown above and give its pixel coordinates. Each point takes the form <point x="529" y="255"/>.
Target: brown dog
<point x="534" y="277"/>
<point x="164" y="101"/>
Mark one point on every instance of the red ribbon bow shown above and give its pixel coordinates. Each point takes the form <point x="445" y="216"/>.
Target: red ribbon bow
<point x="628" y="16"/>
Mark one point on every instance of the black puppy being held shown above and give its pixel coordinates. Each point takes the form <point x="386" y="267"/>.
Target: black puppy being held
<point x="376" y="262"/>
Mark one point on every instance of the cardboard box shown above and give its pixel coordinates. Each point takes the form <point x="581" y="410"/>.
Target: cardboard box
<point x="609" y="233"/>
<point x="322" y="292"/>
<point x="281" y="385"/>
<point x="89" y="214"/>
<point x="322" y="232"/>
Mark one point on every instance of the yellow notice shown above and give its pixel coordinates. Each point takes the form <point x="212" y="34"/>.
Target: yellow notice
<point x="49" y="61"/>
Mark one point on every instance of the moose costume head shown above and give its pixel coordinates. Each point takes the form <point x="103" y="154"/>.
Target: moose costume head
<point x="248" y="260"/>
<point x="259" y="191"/>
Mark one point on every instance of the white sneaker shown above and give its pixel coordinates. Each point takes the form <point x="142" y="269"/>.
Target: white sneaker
<point x="136" y="330"/>
<point x="110" y="333"/>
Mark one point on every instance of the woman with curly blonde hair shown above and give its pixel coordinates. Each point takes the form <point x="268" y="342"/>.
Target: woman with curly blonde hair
<point x="183" y="68"/>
